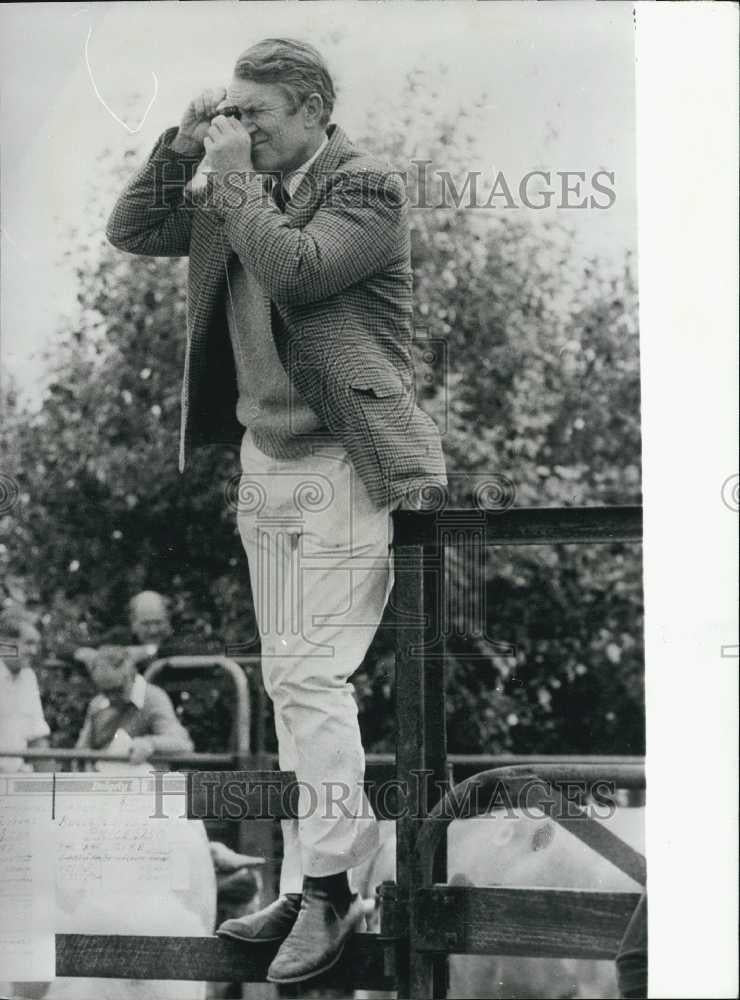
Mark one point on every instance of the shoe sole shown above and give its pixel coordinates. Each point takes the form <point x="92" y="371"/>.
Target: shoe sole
<point x="310" y="975"/>
<point x="248" y="940"/>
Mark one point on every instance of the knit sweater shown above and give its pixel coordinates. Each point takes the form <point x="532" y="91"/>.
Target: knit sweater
<point x="281" y="422"/>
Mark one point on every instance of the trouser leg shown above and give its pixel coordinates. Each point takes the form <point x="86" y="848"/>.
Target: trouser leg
<point x="320" y="587"/>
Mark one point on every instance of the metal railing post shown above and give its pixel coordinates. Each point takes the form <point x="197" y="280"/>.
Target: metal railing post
<point x="240" y="729"/>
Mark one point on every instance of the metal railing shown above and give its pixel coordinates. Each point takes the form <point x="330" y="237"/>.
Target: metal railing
<point x="241" y="723"/>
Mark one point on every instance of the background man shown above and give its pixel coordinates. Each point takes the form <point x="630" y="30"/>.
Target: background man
<point x="149" y="617"/>
<point x="149" y="628"/>
<point x="129" y="713"/>
<point x="22" y="722"/>
<point x="298" y="349"/>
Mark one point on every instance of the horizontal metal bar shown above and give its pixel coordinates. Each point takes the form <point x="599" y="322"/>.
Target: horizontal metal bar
<point x="543" y="923"/>
<point x="59" y="753"/>
<point x="520" y="525"/>
<point x="177" y="661"/>
<point x="210" y="959"/>
<point x="624" y="775"/>
<point x="197" y="661"/>
<point x="480" y="761"/>
<point x="486" y="761"/>
<point x="511" y="760"/>
<point x="384" y="763"/>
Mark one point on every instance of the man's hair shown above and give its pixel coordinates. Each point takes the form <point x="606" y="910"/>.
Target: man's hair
<point x="297" y="67"/>
<point x="148" y="595"/>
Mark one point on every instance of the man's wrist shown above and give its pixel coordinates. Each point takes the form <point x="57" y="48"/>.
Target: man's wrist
<point x="186" y="145"/>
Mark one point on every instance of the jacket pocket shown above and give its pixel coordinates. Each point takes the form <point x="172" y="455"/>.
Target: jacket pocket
<point x="378" y="383"/>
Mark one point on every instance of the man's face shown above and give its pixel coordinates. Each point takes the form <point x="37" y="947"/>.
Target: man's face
<point x="150" y="623"/>
<point x="111" y="677"/>
<point x="27" y="643"/>
<point x="281" y="139"/>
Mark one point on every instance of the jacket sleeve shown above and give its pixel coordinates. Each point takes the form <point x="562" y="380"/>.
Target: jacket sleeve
<point x="359" y="227"/>
<point x="150" y="216"/>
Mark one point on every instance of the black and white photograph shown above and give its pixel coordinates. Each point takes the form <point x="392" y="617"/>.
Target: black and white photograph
<point x="324" y="576"/>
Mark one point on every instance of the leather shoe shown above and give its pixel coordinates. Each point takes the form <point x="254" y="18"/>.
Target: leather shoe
<point x="271" y="923"/>
<point x="317" y="939"/>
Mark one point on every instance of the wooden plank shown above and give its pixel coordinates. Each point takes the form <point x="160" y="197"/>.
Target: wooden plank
<point x="546" y="923"/>
<point x="524" y="525"/>
<point x="411" y="635"/>
<point x="421" y="744"/>
<point x="211" y="959"/>
<point x="432" y="694"/>
<point x="434" y="721"/>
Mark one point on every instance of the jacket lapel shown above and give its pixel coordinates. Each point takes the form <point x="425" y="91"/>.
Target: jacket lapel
<point x="209" y="259"/>
<point x="302" y="206"/>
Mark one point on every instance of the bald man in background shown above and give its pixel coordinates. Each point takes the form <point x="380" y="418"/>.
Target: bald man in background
<point x="149" y="629"/>
<point x="149" y="617"/>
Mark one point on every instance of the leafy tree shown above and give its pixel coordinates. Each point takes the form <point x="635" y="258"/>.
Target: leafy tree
<point x="539" y="384"/>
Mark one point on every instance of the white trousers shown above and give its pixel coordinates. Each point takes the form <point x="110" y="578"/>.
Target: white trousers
<point x="321" y="569"/>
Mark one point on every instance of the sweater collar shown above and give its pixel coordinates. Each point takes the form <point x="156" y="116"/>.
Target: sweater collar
<point x="291" y="181"/>
<point x="329" y="158"/>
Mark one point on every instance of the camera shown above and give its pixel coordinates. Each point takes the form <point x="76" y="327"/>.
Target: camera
<point x="230" y="112"/>
<point x="199" y="182"/>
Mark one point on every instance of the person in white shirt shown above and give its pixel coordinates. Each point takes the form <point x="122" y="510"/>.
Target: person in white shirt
<point x="22" y="722"/>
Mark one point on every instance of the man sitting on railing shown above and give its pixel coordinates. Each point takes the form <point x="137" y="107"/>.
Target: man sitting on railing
<point x="300" y="352"/>
<point x="22" y="722"/>
<point x="129" y="714"/>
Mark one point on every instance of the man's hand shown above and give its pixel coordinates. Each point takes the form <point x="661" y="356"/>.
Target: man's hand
<point x="228" y="147"/>
<point x="141" y="749"/>
<point x="42" y="743"/>
<point x="197" y="120"/>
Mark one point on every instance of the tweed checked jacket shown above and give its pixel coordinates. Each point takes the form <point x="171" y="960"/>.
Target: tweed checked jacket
<point x="337" y="268"/>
